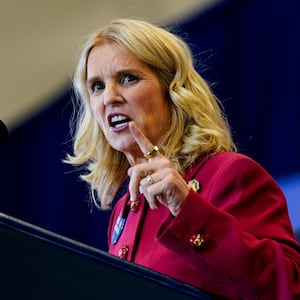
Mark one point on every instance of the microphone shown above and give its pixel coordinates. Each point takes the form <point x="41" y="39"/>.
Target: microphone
<point x="3" y="132"/>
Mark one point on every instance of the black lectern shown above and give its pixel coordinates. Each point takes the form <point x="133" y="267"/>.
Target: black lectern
<point x="38" y="264"/>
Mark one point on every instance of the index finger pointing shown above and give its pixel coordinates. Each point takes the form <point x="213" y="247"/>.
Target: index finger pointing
<point x="144" y="144"/>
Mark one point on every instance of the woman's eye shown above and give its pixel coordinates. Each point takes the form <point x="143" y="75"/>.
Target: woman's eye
<point x="128" y="79"/>
<point x="97" y="86"/>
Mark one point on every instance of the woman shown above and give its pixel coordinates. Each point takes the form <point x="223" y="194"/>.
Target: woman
<point x="195" y="210"/>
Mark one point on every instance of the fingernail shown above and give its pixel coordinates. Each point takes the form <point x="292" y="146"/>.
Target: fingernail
<point x="140" y="190"/>
<point x="129" y="172"/>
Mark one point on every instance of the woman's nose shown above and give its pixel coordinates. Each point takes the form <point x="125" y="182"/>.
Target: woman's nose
<point x="111" y="94"/>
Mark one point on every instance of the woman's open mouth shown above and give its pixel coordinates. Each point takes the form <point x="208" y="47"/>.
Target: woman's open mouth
<point x="119" y="122"/>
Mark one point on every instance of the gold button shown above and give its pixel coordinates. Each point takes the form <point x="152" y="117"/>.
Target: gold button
<point x="196" y="241"/>
<point x="134" y="205"/>
<point x="123" y="252"/>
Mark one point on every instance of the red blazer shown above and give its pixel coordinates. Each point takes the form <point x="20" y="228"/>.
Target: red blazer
<point x="232" y="238"/>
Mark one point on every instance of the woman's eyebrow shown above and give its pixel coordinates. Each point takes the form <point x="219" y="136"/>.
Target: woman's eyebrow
<point x="116" y="73"/>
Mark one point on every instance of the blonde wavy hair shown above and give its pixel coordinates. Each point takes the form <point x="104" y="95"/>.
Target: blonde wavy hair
<point x="198" y="126"/>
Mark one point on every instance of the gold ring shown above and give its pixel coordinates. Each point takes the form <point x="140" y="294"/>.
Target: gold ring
<point x="150" y="179"/>
<point x="150" y="153"/>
